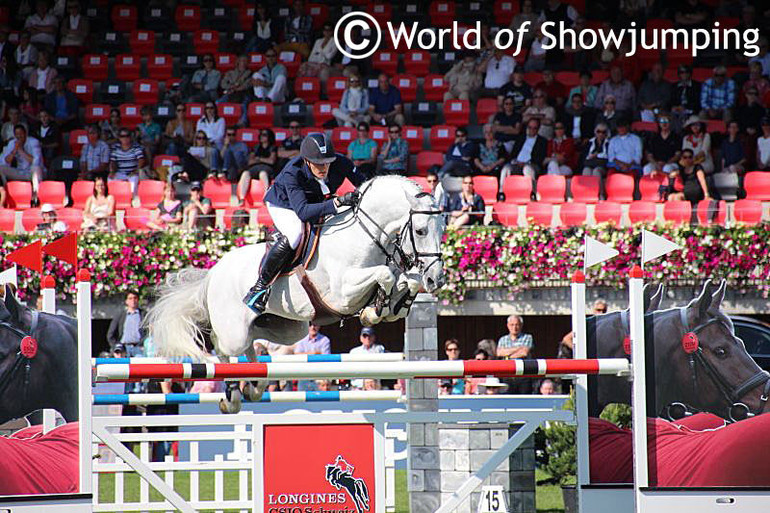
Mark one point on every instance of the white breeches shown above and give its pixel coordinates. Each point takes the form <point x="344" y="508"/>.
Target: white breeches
<point x="287" y="222"/>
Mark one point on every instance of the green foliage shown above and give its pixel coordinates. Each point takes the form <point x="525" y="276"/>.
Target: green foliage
<point x="618" y="414"/>
<point x="561" y="448"/>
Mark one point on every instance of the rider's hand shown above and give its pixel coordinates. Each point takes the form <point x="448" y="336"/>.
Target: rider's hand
<point x="349" y="199"/>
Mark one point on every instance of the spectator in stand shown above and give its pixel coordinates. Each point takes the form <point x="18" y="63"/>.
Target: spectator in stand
<point x="691" y="14"/>
<point x="459" y="156"/>
<point x="463" y="79"/>
<point x="234" y="155"/>
<point x="25" y="56"/>
<point x="472" y="383"/>
<point x="541" y="111"/>
<point x="585" y="89"/>
<point x="9" y="127"/>
<point x="314" y="342"/>
<point x="99" y="210"/>
<point x="554" y="91"/>
<point x="733" y="153"/>
<point x="49" y="136"/>
<point x="516" y="343"/>
<point x="452" y="352"/>
<point x="578" y="120"/>
<point x="212" y="125"/>
<point x="536" y="57"/>
<point x="201" y="160"/>
<point x="10" y="81"/>
<point x="663" y="150"/>
<point x="262" y="31"/>
<point x="597" y="152"/>
<point x="756" y="81"/>
<point x="525" y="14"/>
<point x="30" y="106"/>
<point x="506" y="124"/>
<point x="50" y="222"/>
<point x="556" y="11"/>
<point x="297" y="31"/>
<point x="465" y="207"/>
<point x="22" y="159"/>
<point x="436" y="189"/>
<point x="204" y="84"/>
<point x="363" y="151"/>
<point x="750" y="115"/>
<point x="697" y="140"/>
<point x="62" y="104"/>
<point x="290" y="146"/>
<point x="43" y="75"/>
<point x="692" y="179"/>
<point x="369" y="343"/>
<point x="148" y="133"/>
<point x="491" y="155"/>
<point x="394" y="152"/>
<point x="180" y="133"/>
<point x="497" y="69"/>
<point x="518" y="90"/>
<point x="344" y="65"/>
<point x="685" y="96"/>
<point x="371" y="384"/>
<point x="619" y="88"/>
<point x="654" y="94"/>
<point x="127" y="328"/>
<point x="561" y="157"/>
<point x="168" y="213"/>
<point x="127" y="159"/>
<point x="262" y="162"/>
<point x="574" y="52"/>
<point x="236" y="82"/>
<point x="717" y="96"/>
<point x="319" y="62"/>
<point x="763" y="146"/>
<point x="528" y="154"/>
<point x="74" y="29"/>
<point x="111" y="127"/>
<point x="487" y="42"/>
<point x="42" y="25"/>
<point x="609" y="115"/>
<point x="6" y="47"/>
<point x="547" y="387"/>
<point x="493" y="386"/>
<point x="763" y="57"/>
<point x="354" y="104"/>
<point x="95" y="155"/>
<point x="198" y="210"/>
<point x="269" y="83"/>
<point x="385" y="106"/>
<point x="625" y="150"/>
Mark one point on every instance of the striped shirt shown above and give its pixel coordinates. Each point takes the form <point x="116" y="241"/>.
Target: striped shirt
<point x="94" y="156"/>
<point x="127" y="161"/>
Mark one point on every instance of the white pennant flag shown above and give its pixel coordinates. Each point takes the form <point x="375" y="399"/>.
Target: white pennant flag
<point x="597" y="252"/>
<point x="9" y="276"/>
<point x="654" y="246"/>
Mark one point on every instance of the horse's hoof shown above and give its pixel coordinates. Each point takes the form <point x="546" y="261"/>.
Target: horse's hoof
<point x="233" y="405"/>
<point x="254" y="390"/>
<point x="369" y="317"/>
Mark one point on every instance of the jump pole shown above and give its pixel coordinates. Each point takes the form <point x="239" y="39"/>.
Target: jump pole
<point x="84" y="379"/>
<point x="268" y="397"/>
<point x="639" y="384"/>
<point x="579" y="348"/>
<point x="283" y="358"/>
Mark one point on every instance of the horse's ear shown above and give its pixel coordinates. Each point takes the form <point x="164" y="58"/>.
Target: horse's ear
<point x="652" y="297"/>
<point x="702" y="303"/>
<point x="718" y="296"/>
<point x="10" y="302"/>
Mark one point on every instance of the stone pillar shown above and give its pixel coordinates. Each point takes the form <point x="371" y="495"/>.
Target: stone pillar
<point x="423" y="463"/>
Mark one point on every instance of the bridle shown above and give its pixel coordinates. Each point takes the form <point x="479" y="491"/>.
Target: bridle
<point x="27" y="351"/>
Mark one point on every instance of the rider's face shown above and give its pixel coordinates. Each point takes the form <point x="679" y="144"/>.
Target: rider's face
<point x="318" y="170"/>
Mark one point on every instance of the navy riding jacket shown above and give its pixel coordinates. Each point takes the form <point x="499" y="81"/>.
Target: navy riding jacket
<point x="297" y="189"/>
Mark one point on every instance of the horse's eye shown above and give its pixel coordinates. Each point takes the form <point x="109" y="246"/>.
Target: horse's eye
<point x="720" y="352"/>
<point x="422" y="232"/>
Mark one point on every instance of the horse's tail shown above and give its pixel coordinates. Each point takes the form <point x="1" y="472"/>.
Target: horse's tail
<point x="180" y="314"/>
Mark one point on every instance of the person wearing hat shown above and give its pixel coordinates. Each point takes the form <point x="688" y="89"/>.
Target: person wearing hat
<point x="302" y="192"/>
<point x="697" y="140"/>
<point x="491" y="386"/>
<point x="763" y="146"/>
<point x="50" y="223"/>
<point x="463" y="78"/>
<point x="198" y="210"/>
<point x="625" y="150"/>
<point x="369" y="345"/>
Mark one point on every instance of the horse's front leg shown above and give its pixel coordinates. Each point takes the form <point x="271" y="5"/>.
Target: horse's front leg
<point x="407" y="287"/>
<point x="254" y="389"/>
<point x="357" y="282"/>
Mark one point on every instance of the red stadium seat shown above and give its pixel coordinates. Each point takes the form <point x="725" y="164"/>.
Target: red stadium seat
<point x="680" y="56"/>
<point x="712" y="212"/>
<point x="517" y="189"/>
<point x="335" y="87"/>
<point x="434" y="88"/>
<point x="486" y="187"/>
<point x="304" y="131"/>
<point x="642" y="212"/>
<point x="7" y="220"/>
<point x="608" y="211"/>
<point x="250" y="136"/>
<point x="485" y="108"/>
<point x="385" y="61"/>
<point x="260" y="114"/>
<point x="659" y="23"/>
<point x="71" y="217"/>
<point x="427" y="159"/>
<point x="308" y="89"/>
<point x="142" y="42"/>
<point x="77" y="139"/>
<point x="164" y="161"/>
<point x="52" y="192"/>
<point x="504" y="11"/>
<point x="193" y="111"/>
<point x="379" y="134"/>
<point x="256" y="193"/>
<point x="246" y="17"/>
<point x="97" y="112"/>
<point x="649" y="187"/>
<point x="150" y="193"/>
<point x="30" y="218"/>
<point x="230" y="111"/>
<point x="81" y="191"/>
<point x="319" y="13"/>
<point x="206" y="41"/>
<point x="539" y="213"/>
<point x="263" y="217"/>
<point x="407" y="84"/>
<point x="256" y="61"/>
<point x="457" y="112"/>
<point x="124" y="17"/>
<point x="573" y="214"/>
<point x="230" y="213"/>
<point x="551" y="188"/>
<point x="342" y="136"/>
<point x="679" y="212"/>
<point x="136" y="218"/>
<point x="644" y="126"/>
<point x="188" y="18"/>
<point x="567" y="79"/>
<point x="225" y="62"/>
<point x="19" y="194"/>
<point x="130" y="114"/>
<point x="748" y="211"/>
<point x="757" y="185"/>
<point x="218" y="191"/>
<point x="281" y="134"/>
<point x="127" y="67"/>
<point x="417" y="62"/>
<point x="620" y="188"/>
<point x="83" y="89"/>
<point x="292" y="61"/>
<point x="585" y="189"/>
<point x="146" y="91"/>
<point x="95" y="67"/>
<point x="442" y="13"/>
<point x="507" y="214"/>
<point x="381" y="11"/>
<point x="160" y="66"/>
<point x="414" y="138"/>
<point x="121" y="190"/>
<point x="441" y="137"/>
<point x="322" y="112"/>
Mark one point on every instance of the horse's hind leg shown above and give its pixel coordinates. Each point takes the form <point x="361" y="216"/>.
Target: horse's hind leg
<point x="254" y="389"/>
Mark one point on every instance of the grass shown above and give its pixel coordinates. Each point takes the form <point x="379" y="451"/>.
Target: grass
<point x="548" y="498"/>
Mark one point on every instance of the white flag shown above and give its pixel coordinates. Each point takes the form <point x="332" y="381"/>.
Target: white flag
<point x="9" y="276"/>
<point x="597" y="252"/>
<point x="654" y="246"/>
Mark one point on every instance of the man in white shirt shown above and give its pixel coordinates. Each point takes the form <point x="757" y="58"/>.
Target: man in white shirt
<point x="42" y="25"/>
<point x="22" y="159"/>
<point x="497" y="68"/>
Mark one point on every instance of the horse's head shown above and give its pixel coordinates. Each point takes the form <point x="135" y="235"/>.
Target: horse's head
<point x="702" y="360"/>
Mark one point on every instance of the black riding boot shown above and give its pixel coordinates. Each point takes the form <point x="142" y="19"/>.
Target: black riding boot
<point x="280" y="253"/>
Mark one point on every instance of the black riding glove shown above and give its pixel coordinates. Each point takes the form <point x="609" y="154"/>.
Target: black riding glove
<point x="349" y="199"/>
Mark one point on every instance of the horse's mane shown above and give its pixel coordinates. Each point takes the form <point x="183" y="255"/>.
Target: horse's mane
<point x="392" y="181"/>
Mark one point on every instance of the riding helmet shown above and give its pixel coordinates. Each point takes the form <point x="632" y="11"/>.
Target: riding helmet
<point x="317" y="148"/>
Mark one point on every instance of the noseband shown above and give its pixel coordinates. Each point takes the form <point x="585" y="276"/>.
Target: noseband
<point x="27" y="351"/>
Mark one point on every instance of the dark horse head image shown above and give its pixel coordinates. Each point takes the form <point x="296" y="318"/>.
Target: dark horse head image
<point x="699" y="364"/>
<point x="41" y="372"/>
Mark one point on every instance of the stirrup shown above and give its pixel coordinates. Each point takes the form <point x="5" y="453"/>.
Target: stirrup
<point x="256" y="300"/>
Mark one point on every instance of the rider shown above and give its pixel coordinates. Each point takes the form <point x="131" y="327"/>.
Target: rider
<point x="302" y="192"/>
